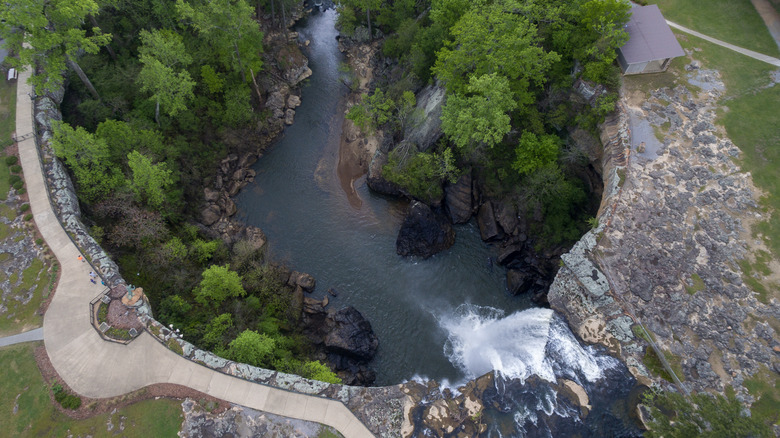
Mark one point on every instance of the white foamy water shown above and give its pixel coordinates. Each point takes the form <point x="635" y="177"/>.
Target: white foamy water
<point x="530" y="342"/>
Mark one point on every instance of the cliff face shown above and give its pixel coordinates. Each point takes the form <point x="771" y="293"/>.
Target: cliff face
<point x="673" y="229"/>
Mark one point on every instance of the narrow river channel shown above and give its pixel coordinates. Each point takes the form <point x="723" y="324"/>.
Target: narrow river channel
<point x="299" y="203"/>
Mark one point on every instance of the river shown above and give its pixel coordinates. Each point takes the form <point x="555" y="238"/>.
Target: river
<point x="447" y="318"/>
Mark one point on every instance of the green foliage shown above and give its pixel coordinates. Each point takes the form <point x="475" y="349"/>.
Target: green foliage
<point x="150" y="182"/>
<point x="215" y="330"/>
<point x="318" y="371"/>
<point x="24" y="207"/>
<point x="175" y="309"/>
<point x="89" y="159"/>
<point x="175" y="249"/>
<point x="213" y="80"/>
<point x="534" y="152"/>
<point x="252" y="348"/>
<point x="704" y="415"/>
<point x="11" y="160"/>
<point x="123" y="138"/>
<point x="52" y="35"/>
<point x="601" y="34"/>
<point x="16" y="168"/>
<point x="218" y="284"/>
<point x="549" y="194"/>
<point x="238" y="111"/>
<point x="230" y="30"/>
<point x="493" y="40"/>
<point x="481" y="116"/>
<point x="373" y="112"/>
<point x="421" y="174"/>
<point x="161" y="51"/>
<point x="203" y="250"/>
<point x="66" y="400"/>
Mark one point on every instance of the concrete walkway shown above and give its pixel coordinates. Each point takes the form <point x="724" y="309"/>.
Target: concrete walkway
<point x="770" y="16"/>
<point x="29" y="336"/>
<point x="750" y="53"/>
<point x="96" y="368"/>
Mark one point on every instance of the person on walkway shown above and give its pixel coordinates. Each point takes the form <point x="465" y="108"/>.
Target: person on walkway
<point x="81" y="259"/>
<point x="92" y="280"/>
<point x="92" y="274"/>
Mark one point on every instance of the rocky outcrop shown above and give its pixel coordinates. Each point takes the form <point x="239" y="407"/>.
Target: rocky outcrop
<point x="424" y="127"/>
<point x="239" y="421"/>
<point x="666" y="254"/>
<point x="423" y="232"/>
<point x="457" y="198"/>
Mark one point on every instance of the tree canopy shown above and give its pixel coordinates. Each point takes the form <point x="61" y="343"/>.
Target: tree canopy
<point x="219" y="283"/>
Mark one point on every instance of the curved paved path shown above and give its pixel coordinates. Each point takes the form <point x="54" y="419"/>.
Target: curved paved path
<point x="96" y="368"/>
<point x="750" y="53"/>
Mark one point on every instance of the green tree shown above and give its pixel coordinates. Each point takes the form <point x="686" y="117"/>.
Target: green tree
<point x="705" y="415"/>
<point x="365" y="5"/>
<point x="375" y="110"/>
<point x="160" y="52"/>
<point x="49" y="34"/>
<point x="123" y="138"/>
<point x="219" y="283"/>
<point x="150" y="182"/>
<point x="230" y="29"/>
<point x="534" y="152"/>
<point x="600" y="34"/>
<point x="480" y="117"/>
<point x="494" y="40"/>
<point x="252" y="348"/>
<point x="419" y="173"/>
<point x="216" y="328"/>
<point x="316" y="370"/>
<point x="89" y="160"/>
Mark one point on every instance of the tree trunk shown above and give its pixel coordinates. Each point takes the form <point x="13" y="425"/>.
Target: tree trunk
<point x="83" y="76"/>
<point x="257" y="89"/>
<point x="368" y="17"/>
<point x="157" y="112"/>
<point x="107" y="46"/>
<point x="238" y="58"/>
<point x="273" y="12"/>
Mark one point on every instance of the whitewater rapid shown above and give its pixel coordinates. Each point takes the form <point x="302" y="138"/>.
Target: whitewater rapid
<point x="526" y="343"/>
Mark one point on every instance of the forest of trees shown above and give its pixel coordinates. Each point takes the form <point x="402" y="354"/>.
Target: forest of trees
<point x="152" y="89"/>
<point x="508" y="67"/>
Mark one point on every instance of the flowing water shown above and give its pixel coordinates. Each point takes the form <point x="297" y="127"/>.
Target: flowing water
<point x="448" y="317"/>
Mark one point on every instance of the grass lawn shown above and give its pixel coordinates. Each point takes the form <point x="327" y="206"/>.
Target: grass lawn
<point x="7" y="111"/>
<point x="23" y="389"/>
<point x="733" y="21"/>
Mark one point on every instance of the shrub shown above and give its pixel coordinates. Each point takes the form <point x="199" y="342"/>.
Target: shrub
<point x="16" y="168"/>
<point x="28" y="216"/>
<point x="21" y="191"/>
<point x="18" y="185"/>
<point x="13" y="179"/>
<point x="24" y="207"/>
<point x="13" y="159"/>
<point x="39" y="241"/>
<point x="67" y="401"/>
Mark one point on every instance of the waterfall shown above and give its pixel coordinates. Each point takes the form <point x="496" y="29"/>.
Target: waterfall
<point x="530" y="342"/>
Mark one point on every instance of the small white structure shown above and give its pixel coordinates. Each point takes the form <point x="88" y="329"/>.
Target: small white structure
<point x="651" y="44"/>
<point x="13" y="74"/>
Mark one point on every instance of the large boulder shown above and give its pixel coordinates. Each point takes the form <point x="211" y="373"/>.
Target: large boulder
<point x="302" y="279"/>
<point x="210" y="215"/>
<point x="424" y="128"/>
<point x="458" y="199"/>
<point x="351" y="335"/>
<point x="423" y="233"/>
<point x="488" y="227"/>
<point x="519" y="281"/>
